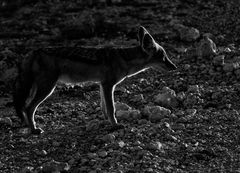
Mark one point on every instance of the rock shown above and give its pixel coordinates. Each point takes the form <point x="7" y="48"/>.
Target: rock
<point x="54" y="166"/>
<point x="121" y="106"/>
<point x="123" y="114"/>
<point x="194" y="89"/>
<point x="138" y="98"/>
<point x="109" y="138"/>
<point x="71" y="161"/>
<point x="93" y="125"/>
<point x="92" y="155"/>
<point x="93" y="148"/>
<point x="24" y="131"/>
<point x="1" y="165"/>
<point x="236" y="59"/>
<point x="181" y="96"/>
<point x="121" y="144"/>
<point x="191" y="112"/>
<point x="155" y="146"/>
<point x="191" y="100"/>
<point x="93" y="171"/>
<point x="218" y="60"/>
<point x="156" y="113"/>
<point x="142" y="121"/>
<point x="228" y="67"/>
<point x="237" y="73"/>
<point x="56" y="143"/>
<point x="206" y="48"/>
<point x="187" y="33"/>
<point x="167" y="98"/>
<point x="6" y="121"/>
<point x="27" y="169"/>
<point x="102" y="154"/>
<point x="135" y="114"/>
<point x="179" y="126"/>
<point x="41" y="152"/>
<point x="187" y="67"/>
<point x="128" y="114"/>
<point x="180" y="113"/>
<point x="191" y="52"/>
<point x="174" y="22"/>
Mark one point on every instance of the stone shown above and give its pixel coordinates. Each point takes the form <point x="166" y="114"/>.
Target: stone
<point x="128" y="114"/>
<point x="237" y="73"/>
<point x="102" y="154"/>
<point x="54" y="166"/>
<point x="228" y="67"/>
<point x="193" y="89"/>
<point x="138" y="98"/>
<point x="6" y="121"/>
<point x="188" y="34"/>
<point x="93" y="125"/>
<point x="27" y="169"/>
<point x="109" y="138"/>
<point x="121" y="106"/>
<point x="206" y="48"/>
<point x="156" y="113"/>
<point x="218" y="60"/>
<point x="167" y="98"/>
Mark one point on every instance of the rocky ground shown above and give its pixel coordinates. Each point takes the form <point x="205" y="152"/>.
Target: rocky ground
<point x="182" y="121"/>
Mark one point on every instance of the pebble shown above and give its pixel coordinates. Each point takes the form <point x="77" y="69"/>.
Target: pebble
<point x="219" y="60"/>
<point x="54" y="166"/>
<point x="1" y="165"/>
<point x="109" y="138"/>
<point x="121" y="106"/>
<point x="156" y="113"/>
<point x="56" y="143"/>
<point x="92" y="155"/>
<point x="93" y="125"/>
<point x="138" y="98"/>
<point x="166" y="98"/>
<point x="188" y="34"/>
<point x="206" y="48"/>
<point x="41" y="153"/>
<point x="27" y="169"/>
<point x="121" y="144"/>
<point x="6" y="121"/>
<point x="102" y="154"/>
<point x="155" y="145"/>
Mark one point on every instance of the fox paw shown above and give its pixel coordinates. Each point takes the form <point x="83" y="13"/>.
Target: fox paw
<point x="37" y="131"/>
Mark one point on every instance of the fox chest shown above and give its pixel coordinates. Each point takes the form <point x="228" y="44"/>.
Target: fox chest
<point x="76" y="72"/>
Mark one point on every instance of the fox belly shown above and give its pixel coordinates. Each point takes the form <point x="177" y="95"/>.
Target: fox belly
<point x="77" y="72"/>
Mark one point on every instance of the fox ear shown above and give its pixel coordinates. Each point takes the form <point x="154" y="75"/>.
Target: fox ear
<point x="148" y="43"/>
<point x="142" y="31"/>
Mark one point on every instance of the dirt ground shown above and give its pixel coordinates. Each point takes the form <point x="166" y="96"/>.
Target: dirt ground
<point x="200" y="135"/>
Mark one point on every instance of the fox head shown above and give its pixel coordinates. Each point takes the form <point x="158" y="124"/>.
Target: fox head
<point x="157" y="57"/>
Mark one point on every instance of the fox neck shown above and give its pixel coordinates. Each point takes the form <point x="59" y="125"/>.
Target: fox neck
<point x="136" y="61"/>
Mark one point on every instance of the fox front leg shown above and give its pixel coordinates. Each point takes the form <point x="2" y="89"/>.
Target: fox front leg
<point x="107" y="104"/>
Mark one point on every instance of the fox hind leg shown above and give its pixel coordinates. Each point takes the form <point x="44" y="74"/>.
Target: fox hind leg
<point x="42" y="88"/>
<point x="23" y="86"/>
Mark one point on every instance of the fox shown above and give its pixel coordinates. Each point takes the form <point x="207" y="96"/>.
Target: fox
<point x="107" y="66"/>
